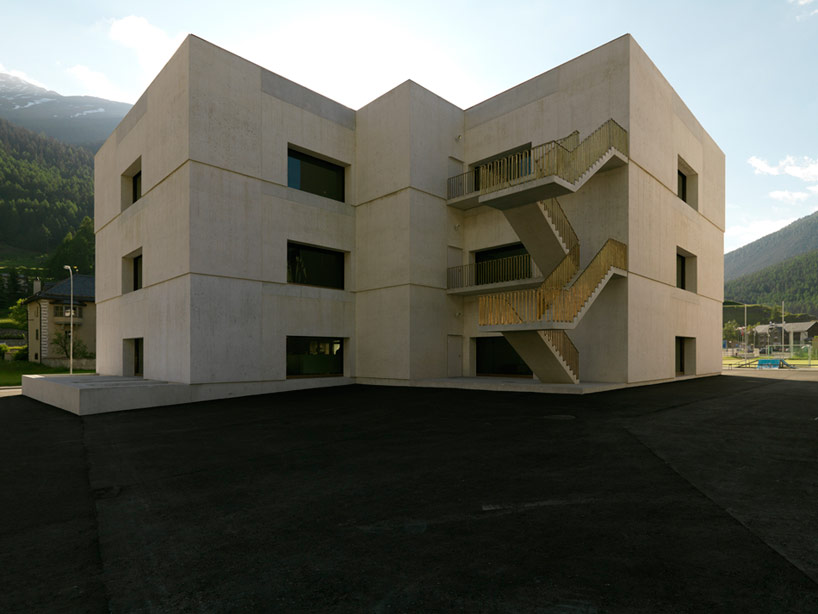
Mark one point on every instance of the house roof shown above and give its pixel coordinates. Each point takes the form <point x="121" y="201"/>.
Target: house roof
<point x="800" y="327"/>
<point x="61" y="290"/>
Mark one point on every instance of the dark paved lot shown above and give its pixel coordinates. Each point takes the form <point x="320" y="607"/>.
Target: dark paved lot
<point x="696" y="496"/>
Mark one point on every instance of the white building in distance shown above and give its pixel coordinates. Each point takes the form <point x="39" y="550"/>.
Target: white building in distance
<point x="255" y="236"/>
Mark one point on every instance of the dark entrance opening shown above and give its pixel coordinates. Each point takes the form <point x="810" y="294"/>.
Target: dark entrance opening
<point x="495" y="356"/>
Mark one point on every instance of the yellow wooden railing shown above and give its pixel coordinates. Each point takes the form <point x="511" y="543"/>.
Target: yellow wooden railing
<point x="510" y="268"/>
<point x="547" y="305"/>
<point x="565" y="348"/>
<point x="564" y="158"/>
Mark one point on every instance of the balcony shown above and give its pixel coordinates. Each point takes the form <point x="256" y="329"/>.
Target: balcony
<point x="545" y="171"/>
<point x="516" y="272"/>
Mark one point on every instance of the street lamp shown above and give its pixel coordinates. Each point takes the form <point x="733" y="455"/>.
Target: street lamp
<point x="71" y="339"/>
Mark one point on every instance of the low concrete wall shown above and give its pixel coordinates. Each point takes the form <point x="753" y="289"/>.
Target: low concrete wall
<point x="89" y="364"/>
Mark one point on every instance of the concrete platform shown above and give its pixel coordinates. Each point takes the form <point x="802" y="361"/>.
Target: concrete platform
<point x="97" y="394"/>
<point x="88" y="394"/>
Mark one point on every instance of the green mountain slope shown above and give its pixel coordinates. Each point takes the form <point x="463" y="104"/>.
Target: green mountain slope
<point x="798" y="238"/>
<point x="46" y="189"/>
<point x="795" y="281"/>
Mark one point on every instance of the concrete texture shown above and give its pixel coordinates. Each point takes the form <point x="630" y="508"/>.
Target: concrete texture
<point x="692" y="496"/>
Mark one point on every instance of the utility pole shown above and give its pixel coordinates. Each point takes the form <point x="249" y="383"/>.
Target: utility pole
<point x="782" y="327"/>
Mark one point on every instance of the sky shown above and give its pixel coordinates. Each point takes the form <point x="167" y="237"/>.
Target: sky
<point x="748" y="70"/>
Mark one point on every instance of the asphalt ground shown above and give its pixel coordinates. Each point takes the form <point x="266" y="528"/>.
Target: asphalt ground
<point x="695" y="496"/>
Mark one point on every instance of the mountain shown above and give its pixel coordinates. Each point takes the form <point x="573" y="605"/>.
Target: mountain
<point x="78" y="120"/>
<point x="799" y="237"/>
<point x="46" y="189"/>
<point x="794" y="281"/>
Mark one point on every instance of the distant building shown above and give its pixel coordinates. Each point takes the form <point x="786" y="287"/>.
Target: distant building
<point x="49" y="312"/>
<point x="254" y="236"/>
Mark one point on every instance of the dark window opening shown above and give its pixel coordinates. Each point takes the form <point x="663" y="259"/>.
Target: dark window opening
<point x="136" y="187"/>
<point x="138" y="356"/>
<point x="496" y="356"/>
<point x="137" y="272"/>
<point x="513" y="163"/>
<point x="502" y="264"/>
<point x="313" y="175"/>
<point x="681" y="189"/>
<point x="680" y="356"/>
<point x="315" y="266"/>
<point x="315" y="357"/>
<point x="681" y="274"/>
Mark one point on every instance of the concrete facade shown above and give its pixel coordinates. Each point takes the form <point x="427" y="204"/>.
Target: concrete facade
<point x="212" y="225"/>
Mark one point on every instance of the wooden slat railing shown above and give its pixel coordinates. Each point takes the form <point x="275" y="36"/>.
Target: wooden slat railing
<point x="510" y="268"/>
<point x="546" y="306"/>
<point x="565" y="348"/>
<point x="553" y="158"/>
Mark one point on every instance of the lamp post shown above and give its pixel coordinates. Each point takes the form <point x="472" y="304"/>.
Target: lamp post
<point x="71" y="339"/>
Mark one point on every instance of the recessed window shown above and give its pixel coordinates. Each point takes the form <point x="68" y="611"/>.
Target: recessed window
<point x="685" y="356"/>
<point x="132" y="271"/>
<point x="133" y="356"/>
<point x="131" y="181"/>
<point x="682" y="186"/>
<point x="315" y="266"/>
<point x="315" y="357"/>
<point x="687" y="184"/>
<point x="686" y="274"/>
<point x="500" y="264"/>
<point x="136" y="189"/>
<point x="314" y="175"/>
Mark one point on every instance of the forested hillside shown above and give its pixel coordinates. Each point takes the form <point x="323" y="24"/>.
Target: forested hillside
<point x="798" y="238"/>
<point x="795" y="281"/>
<point x="46" y="189"/>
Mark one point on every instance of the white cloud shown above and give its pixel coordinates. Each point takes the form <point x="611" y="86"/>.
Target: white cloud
<point x="805" y="169"/>
<point x="801" y="2"/>
<point x="21" y="75"/>
<point x="95" y="83"/>
<point x="785" y="196"/>
<point x="152" y="45"/>
<point x="813" y="189"/>
<point x="741" y="234"/>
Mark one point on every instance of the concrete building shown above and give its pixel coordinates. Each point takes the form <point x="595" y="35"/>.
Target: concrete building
<point x="255" y="236"/>
<point x="49" y="313"/>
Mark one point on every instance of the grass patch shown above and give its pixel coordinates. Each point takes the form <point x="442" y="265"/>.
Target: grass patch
<point x="12" y="372"/>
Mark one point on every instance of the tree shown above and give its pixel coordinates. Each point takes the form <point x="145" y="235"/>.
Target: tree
<point x="76" y="249"/>
<point x="731" y="331"/>
<point x="19" y="314"/>
<point x="62" y="339"/>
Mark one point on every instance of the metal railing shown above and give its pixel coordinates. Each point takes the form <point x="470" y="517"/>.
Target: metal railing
<point x="510" y="268"/>
<point x="546" y="305"/>
<point x="552" y="210"/>
<point x="552" y="158"/>
<point x="565" y="348"/>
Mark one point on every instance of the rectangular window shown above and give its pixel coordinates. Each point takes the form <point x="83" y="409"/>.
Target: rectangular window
<point x="137" y="187"/>
<point x="132" y="271"/>
<point x="685" y="355"/>
<point x="687" y="184"/>
<point x="137" y="272"/>
<point x="686" y="274"/>
<point x="138" y="356"/>
<point x="315" y="266"/>
<point x="313" y="175"/>
<point x="681" y="191"/>
<point x="500" y="264"/>
<point x="315" y="357"/>
<point x="131" y="184"/>
<point x="680" y="271"/>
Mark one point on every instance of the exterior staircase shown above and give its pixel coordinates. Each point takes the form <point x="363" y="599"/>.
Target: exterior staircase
<point x="546" y="171"/>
